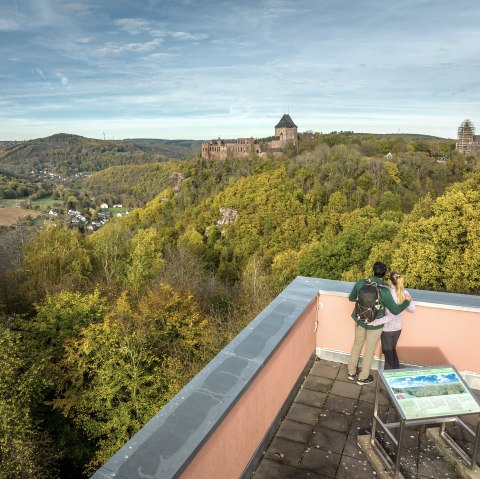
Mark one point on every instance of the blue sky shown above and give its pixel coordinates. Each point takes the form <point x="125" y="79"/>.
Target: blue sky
<point x="204" y="69"/>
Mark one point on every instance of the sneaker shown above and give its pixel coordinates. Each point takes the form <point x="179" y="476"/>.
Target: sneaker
<point x="351" y="377"/>
<point x="363" y="382"/>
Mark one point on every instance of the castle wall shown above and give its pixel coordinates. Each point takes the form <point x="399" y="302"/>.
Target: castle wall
<point x="221" y="149"/>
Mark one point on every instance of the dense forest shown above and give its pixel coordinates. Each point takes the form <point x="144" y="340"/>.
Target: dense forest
<point x="12" y="187"/>
<point x="65" y="154"/>
<point x="99" y="331"/>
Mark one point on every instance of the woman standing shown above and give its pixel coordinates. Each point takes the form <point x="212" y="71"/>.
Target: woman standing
<point x="393" y="323"/>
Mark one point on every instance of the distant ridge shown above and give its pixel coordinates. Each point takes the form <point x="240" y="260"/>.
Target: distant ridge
<point x="67" y="154"/>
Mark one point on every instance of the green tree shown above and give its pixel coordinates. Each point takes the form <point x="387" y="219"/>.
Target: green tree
<point x="109" y="247"/>
<point x="391" y="174"/>
<point x="255" y="287"/>
<point x="284" y="268"/>
<point x="441" y="252"/>
<point x="117" y="373"/>
<point x="56" y="259"/>
<point x="60" y="317"/>
<point x="25" y="450"/>
<point x="389" y="202"/>
<point x="144" y="261"/>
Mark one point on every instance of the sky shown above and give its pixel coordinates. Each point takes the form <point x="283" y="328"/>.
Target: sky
<point x="203" y="69"/>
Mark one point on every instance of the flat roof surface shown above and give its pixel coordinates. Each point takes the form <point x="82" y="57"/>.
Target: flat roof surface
<point x="317" y="439"/>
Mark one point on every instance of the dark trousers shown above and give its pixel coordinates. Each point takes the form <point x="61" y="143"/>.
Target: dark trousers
<point x="389" y="343"/>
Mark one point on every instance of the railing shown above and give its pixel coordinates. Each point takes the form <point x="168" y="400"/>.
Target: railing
<point x="217" y="425"/>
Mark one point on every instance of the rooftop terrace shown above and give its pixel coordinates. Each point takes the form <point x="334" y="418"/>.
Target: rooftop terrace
<point x="317" y="439"/>
<point x="221" y="423"/>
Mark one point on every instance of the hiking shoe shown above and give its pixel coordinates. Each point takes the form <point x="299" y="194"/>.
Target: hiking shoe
<point x="363" y="382"/>
<point x="351" y="377"/>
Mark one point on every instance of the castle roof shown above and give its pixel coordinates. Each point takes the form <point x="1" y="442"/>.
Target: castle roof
<point x="286" y="122"/>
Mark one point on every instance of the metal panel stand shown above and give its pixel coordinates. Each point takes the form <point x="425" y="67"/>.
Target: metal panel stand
<point x="393" y="463"/>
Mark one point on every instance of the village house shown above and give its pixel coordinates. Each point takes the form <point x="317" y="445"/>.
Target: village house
<point x="285" y="132"/>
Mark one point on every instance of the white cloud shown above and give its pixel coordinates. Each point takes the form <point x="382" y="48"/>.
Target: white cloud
<point x="113" y="48"/>
<point x="63" y="79"/>
<point x="77" y="7"/>
<point x="134" y="26"/>
<point x="159" y="56"/>
<point x="8" y="25"/>
<point x="188" y="36"/>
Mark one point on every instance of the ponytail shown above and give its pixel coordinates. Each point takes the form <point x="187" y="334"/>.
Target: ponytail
<point x="397" y="281"/>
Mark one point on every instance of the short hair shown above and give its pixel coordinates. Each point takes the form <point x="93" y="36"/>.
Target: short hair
<point x="379" y="269"/>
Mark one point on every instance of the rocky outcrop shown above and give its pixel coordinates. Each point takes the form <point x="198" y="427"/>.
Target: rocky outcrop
<point x="229" y="215"/>
<point x="175" y="181"/>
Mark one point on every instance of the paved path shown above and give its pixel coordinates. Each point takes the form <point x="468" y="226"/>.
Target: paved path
<point x="318" y="437"/>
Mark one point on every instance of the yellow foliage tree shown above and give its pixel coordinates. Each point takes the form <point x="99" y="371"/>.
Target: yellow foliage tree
<point x="56" y="259"/>
<point x="117" y="373"/>
<point x="441" y="252"/>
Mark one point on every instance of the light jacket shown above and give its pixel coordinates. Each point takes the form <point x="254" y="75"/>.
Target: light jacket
<point x="393" y="322"/>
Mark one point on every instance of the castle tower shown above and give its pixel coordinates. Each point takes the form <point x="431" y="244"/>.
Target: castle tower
<point x="286" y="130"/>
<point x="466" y="136"/>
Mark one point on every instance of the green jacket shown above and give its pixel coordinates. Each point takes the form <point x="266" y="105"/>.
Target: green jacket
<point x="386" y="301"/>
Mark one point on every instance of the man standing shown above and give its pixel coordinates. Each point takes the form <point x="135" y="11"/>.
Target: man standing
<point x="366" y="333"/>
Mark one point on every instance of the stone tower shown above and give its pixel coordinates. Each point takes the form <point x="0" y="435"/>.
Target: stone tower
<point x="286" y="130"/>
<point x="466" y="136"/>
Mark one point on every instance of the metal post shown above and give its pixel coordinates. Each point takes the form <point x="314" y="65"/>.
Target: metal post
<point x="375" y="411"/>
<point x="399" y="449"/>
<point x="476" y="446"/>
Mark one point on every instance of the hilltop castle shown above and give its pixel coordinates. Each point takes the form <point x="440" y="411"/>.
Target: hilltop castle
<point x="285" y="132"/>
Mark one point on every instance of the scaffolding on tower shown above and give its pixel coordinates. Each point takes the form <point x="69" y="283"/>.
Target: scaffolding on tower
<point x="466" y="134"/>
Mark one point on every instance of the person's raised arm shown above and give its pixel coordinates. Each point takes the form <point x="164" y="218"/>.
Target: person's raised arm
<point x="390" y="304"/>
<point x="411" y="306"/>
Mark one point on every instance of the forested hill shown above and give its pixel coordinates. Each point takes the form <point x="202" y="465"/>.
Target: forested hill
<point x="98" y="331"/>
<point x="139" y="183"/>
<point x="66" y="154"/>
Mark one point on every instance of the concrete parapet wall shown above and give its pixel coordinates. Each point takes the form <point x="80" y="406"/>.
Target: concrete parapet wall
<point x="214" y="427"/>
<point x="443" y="330"/>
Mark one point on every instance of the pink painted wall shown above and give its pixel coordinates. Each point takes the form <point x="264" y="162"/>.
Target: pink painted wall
<point x="228" y="451"/>
<point x="430" y="336"/>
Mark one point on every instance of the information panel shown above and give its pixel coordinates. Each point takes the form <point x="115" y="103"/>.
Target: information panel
<point x="430" y="392"/>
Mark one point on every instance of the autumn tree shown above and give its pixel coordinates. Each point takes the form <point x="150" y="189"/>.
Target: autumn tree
<point x="117" y="373"/>
<point x="25" y="450"/>
<point x="441" y="251"/>
<point x="56" y="259"/>
<point x="255" y="286"/>
<point x="109" y="246"/>
<point x="144" y="260"/>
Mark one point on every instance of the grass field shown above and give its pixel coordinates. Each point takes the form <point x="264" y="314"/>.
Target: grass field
<point x="10" y="214"/>
<point x="47" y="201"/>
<point x="7" y="203"/>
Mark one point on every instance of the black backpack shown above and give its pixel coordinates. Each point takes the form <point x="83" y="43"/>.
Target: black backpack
<point x="368" y="304"/>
